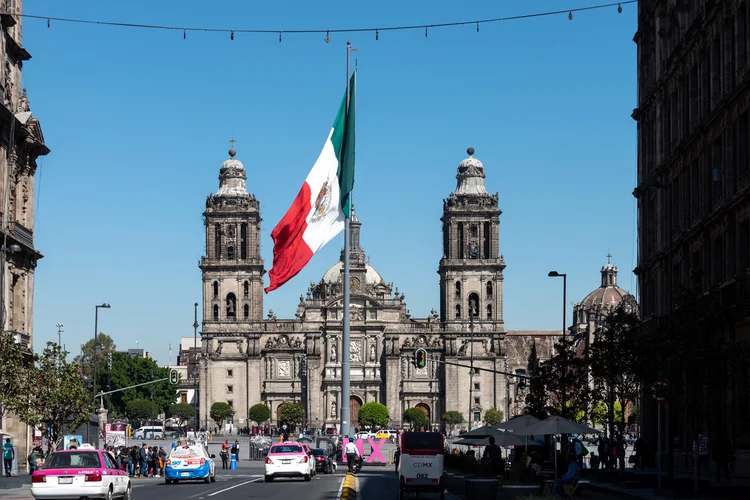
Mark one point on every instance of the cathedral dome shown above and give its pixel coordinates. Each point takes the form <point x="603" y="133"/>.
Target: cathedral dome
<point x="232" y="177"/>
<point x="336" y="274"/>
<point x="470" y="176"/>
<point x="608" y="295"/>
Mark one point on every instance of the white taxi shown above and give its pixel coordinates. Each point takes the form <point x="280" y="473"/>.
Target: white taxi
<point x="189" y="461"/>
<point x="289" y="459"/>
<point x="82" y="473"/>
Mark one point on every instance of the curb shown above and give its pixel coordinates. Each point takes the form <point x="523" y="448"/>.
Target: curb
<point x="349" y="489"/>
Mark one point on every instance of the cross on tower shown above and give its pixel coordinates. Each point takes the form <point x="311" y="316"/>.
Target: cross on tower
<point x="609" y="258"/>
<point x="232" y="141"/>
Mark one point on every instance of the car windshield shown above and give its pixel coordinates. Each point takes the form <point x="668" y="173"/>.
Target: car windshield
<point x="319" y="452"/>
<point x="287" y="448"/>
<point x="73" y="460"/>
<point x="186" y="451"/>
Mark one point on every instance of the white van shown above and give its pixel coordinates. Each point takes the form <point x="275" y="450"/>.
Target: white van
<point x="149" y="432"/>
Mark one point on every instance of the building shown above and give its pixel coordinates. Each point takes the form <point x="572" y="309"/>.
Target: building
<point x="247" y="359"/>
<point x="693" y="180"/>
<point x="21" y="143"/>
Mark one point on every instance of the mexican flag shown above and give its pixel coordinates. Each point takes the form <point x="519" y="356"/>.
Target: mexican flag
<point x="318" y="212"/>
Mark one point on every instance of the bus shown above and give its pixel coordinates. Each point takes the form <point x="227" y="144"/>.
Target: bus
<point x="420" y="467"/>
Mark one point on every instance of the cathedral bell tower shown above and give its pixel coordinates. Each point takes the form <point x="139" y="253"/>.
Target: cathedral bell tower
<point x="471" y="270"/>
<point x="232" y="267"/>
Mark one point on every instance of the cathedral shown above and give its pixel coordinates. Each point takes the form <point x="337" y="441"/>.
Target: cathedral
<point x="248" y="358"/>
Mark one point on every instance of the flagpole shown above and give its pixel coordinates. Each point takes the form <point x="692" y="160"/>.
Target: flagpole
<point x="345" y="367"/>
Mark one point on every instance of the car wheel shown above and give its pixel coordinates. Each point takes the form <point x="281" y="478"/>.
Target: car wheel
<point x="128" y="492"/>
<point x="207" y="479"/>
<point x="109" y="494"/>
<point x="307" y="477"/>
<point x="167" y="481"/>
<point x="269" y="479"/>
<point x="213" y="478"/>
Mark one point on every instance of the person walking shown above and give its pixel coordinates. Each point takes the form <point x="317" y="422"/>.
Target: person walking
<point x="9" y="454"/>
<point x="352" y="454"/>
<point x="397" y="458"/>
<point x="493" y="458"/>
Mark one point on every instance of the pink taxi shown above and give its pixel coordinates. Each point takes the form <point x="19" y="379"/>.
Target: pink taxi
<point x="289" y="459"/>
<point x="82" y="473"/>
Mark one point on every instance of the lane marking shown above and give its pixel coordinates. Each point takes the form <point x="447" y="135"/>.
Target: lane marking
<point x="233" y="487"/>
<point x="359" y="491"/>
<point x="341" y="488"/>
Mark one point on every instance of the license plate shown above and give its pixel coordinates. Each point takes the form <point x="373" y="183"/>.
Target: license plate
<point x="185" y="474"/>
<point x="286" y="461"/>
<point x="64" y="480"/>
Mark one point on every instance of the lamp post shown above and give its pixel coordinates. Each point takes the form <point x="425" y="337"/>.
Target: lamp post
<point x="195" y="368"/>
<point x="3" y="251"/>
<point x="472" y="305"/>
<point x="96" y="341"/>
<point x="563" y="383"/>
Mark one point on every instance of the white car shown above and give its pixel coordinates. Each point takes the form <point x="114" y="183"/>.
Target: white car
<point x="82" y="473"/>
<point x="189" y="461"/>
<point x="288" y="459"/>
<point x="365" y="435"/>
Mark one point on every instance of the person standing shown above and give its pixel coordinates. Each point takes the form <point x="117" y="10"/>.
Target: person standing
<point x="162" y="459"/>
<point x="9" y="453"/>
<point x="397" y="457"/>
<point x="236" y="450"/>
<point x="493" y="457"/>
<point x="352" y="454"/>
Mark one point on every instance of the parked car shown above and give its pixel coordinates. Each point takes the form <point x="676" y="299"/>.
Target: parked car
<point x="322" y="461"/>
<point x="82" y="473"/>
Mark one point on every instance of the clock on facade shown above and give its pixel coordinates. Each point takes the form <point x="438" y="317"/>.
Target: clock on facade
<point x="354" y="283"/>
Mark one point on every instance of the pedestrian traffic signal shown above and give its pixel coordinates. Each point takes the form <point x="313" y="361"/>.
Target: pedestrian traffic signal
<point x="420" y="358"/>
<point x="174" y="377"/>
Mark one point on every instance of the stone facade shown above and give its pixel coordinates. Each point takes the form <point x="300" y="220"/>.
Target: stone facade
<point x="21" y="143"/>
<point x="247" y="359"/>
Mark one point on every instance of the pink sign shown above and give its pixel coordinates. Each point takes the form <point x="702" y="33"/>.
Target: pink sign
<point x="375" y="457"/>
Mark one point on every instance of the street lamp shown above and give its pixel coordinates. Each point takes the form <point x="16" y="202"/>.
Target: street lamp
<point x="4" y="250"/>
<point x="195" y="368"/>
<point x="563" y="408"/>
<point x="96" y="341"/>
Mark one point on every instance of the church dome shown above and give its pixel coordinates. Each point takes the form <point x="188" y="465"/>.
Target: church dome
<point x="232" y="177"/>
<point x="608" y="295"/>
<point x="470" y="176"/>
<point x="336" y="274"/>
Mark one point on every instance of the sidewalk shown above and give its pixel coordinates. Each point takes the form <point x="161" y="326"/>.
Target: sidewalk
<point x="15" y="488"/>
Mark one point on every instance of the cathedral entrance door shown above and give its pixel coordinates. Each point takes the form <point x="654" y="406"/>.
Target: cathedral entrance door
<point x="354" y="405"/>
<point x="426" y="409"/>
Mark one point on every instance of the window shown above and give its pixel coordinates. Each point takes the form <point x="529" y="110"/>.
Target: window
<point x="246" y="311"/>
<point x="183" y="398"/>
<point x="231" y="305"/>
<point x="477" y="416"/>
<point x="230" y="389"/>
<point x="458" y="289"/>
<point x="489" y="289"/>
<point x="230" y="252"/>
<point x="489" y="311"/>
<point x="230" y="403"/>
<point x="460" y="240"/>
<point x="243" y="241"/>
<point x="230" y="373"/>
<point x="487" y="240"/>
<point x="476" y="401"/>
<point x="474" y="304"/>
<point x="217" y="241"/>
<point x="216" y="289"/>
<point x="216" y="312"/>
<point x="458" y="311"/>
<point x="476" y="386"/>
<point x="246" y="289"/>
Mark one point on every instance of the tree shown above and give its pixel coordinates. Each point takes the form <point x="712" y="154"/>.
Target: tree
<point x="13" y="370"/>
<point x="130" y="370"/>
<point x="415" y="417"/>
<point x="103" y="346"/>
<point x="181" y="412"/>
<point x="259" y="413"/>
<point x="373" y="415"/>
<point x="493" y="417"/>
<point x="451" y="419"/>
<point x="54" y="394"/>
<point x="220" y="411"/>
<point x="291" y="413"/>
<point x="140" y="409"/>
<point x="600" y="413"/>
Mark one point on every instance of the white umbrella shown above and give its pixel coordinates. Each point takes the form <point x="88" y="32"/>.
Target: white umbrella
<point x="518" y="423"/>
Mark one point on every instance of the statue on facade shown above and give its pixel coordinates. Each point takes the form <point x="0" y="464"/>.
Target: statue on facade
<point x="372" y="352"/>
<point x="230" y="306"/>
<point x="333" y="409"/>
<point x="407" y="342"/>
<point x="333" y="352"/>
<point x="436" y="342"/>
<point x="23" y="102"/>
<point x="297" y="343"/>
<point x="355" y="314"/>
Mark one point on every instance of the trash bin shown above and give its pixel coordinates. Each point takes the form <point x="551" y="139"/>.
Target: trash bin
<point x="481" y="488"/>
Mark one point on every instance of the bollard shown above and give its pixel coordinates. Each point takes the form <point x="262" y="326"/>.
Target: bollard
<point x="233" y="463"/>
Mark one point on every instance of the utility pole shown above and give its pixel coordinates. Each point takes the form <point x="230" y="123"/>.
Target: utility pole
<point x="59" y="334"/>
<point x="471" y="370"/>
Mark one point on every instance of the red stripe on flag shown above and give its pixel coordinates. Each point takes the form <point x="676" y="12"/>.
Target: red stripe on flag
<point x="290" y="251"/>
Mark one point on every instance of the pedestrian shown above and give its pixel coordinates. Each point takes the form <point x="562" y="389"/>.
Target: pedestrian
<point x="143" y="459"/>
<point x="352" y="454"/>
<point x="397" y="457"/>
<point x="9" y="454"/>
<point x="162" y="459"/>
<point x="236" y="450"/>
<point x="31" y="459"/>
<point x="224" y="455"/>
<point x="493" y="458"/>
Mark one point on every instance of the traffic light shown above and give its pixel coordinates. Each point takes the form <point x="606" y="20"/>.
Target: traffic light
<point x="174" y="377"/>
<point x="420" y="358"/>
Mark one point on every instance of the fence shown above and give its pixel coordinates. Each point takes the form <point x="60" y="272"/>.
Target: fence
<point x="258" y="452"/>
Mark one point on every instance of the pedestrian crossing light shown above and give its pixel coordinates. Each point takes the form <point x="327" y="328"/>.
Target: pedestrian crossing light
<point x="174" y="377"/>
<point x="420" y="358"/>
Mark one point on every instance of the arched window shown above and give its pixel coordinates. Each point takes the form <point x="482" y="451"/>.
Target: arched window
<point x="216" y="312"/>
<point x="489" y="311"/>
<point x="231" y="306"/>
<point x="216" y="289"/>
<point x="474" y="305"/>
<point x="458" y="289"/>
<point x="246" y="311"/>
<point x="230" y="253"/>
<point x="246" y="288"/>
<point x="458" y="311"/>
<point x="489" y="289"/>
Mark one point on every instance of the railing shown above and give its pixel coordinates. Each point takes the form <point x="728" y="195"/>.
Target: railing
<point x="22" y="234"/>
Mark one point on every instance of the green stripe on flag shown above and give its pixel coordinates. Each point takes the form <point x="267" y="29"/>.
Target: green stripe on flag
<point x="346" y="159"/>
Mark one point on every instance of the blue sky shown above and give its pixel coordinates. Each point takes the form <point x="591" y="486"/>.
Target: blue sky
<point x="139" y="121"/>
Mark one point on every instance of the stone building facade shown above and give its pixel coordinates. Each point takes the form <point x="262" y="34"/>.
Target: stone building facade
<point x="21" y="143"/>
<point x="694" y="179"/>
<point x="248" y="359"/>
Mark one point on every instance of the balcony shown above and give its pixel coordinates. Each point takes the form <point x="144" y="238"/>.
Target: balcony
<point x="22" y="234"/>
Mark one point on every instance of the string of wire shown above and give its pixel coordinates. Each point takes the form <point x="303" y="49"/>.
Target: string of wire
<point x="327" y="31"/>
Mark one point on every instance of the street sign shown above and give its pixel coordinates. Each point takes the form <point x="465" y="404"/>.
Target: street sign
<point x="659" y="390"/>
